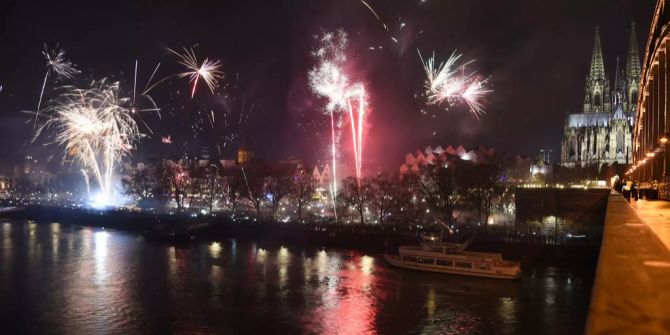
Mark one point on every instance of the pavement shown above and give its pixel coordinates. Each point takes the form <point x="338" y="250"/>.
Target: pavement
<point x="656" y="215"/>
<point x="631" y="292"/>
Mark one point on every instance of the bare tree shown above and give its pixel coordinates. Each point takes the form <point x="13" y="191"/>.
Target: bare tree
<point x="211" y="186"/>
<point x="482" y="184"/>
<point x="406" y="206"/>
<point x="174" y="179"/>
<point x="302" y="190"/>
<point x="232" y="188"/>
<point x="354" y="194"/>
<point x="194" y="185"/>
<point x="254" y="180"/>
<point x="437" y="184"/>
<point x="380" y="194"/>
<point x="140" y="184"/>
<point x="277" y="187"/>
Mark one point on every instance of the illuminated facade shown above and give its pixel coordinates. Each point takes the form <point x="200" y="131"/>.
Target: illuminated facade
<point x="602" y="133"/>
<point x="244" y="153"/>
<point x="650" y="157"/>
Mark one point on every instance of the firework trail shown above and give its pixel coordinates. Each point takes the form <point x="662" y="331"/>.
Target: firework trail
<point x="356" y="119"/>
<point x="95" y="128"/>
<point x="153" y="108"/>
<point x="328" y="79"/>
<point x="447" y="82"/>
<point x="397" y="31"/>
<point x="208" y="70"/>
<point x="371" y="10"/>
<point x="60" y="66"/>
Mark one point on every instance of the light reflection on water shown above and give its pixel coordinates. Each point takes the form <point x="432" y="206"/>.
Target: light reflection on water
<point x="7" y="248"/>
<point x="66" y="279"/>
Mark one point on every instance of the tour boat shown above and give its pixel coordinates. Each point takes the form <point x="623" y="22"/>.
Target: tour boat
<point x="453" y="259"/>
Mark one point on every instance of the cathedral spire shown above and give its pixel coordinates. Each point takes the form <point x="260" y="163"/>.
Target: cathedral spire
<point x="619" y="93"/>
<point x="633" y="61"/>
<point x="633" y="70"/>
<point x="597" y="63"/>
<point x="597" y="97"/>
<point x="619" y="80"/>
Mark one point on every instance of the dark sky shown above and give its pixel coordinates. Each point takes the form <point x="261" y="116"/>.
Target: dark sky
<point x="537" y="53"/>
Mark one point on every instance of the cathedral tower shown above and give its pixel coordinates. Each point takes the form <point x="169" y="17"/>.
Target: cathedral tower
<point x="633" y="70"/>
<point x="597" y="93"/>
<point x="602" y="133"/>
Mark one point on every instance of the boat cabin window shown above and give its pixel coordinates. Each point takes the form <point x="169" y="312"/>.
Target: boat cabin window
<point x="426" y="260"/>
<point x="467" y="265"/>
<point x="409" y="259"/>
<point x="444" y="262"/>
<point x="444" y="250"/>
<point x="484" y="266"/>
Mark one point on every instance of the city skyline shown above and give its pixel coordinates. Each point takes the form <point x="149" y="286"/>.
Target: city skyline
<point x="284" y="109"/>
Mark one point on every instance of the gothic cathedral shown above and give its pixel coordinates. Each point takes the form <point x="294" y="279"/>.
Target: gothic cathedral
<point x="602" y="133"/>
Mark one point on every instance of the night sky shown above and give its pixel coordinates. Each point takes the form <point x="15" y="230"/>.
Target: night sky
<point x="536" y="52"/>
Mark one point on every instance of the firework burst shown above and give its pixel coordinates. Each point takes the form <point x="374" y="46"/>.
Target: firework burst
<point x="59" y="65"/>
<point x="95" y="128"/>
<point x="208" y="70"/>
<point x="448" y="83"/>
<point x="329" y="80"/>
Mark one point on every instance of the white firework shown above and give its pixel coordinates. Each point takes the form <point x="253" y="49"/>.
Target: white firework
<point x="59" y="65"/>
<point x="96" y="129"/>
<point x="208" y="70"/>
<point x="447" y="82"/>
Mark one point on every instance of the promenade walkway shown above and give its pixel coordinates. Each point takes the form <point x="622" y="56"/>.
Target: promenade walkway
<point x="631" y="293"/>
<point x="656" y="214"/>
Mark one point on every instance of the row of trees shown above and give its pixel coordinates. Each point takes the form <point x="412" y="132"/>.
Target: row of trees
<point x="439" y="192"/>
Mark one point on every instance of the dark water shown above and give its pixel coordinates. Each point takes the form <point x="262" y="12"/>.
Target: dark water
<point x="67" y="279"/>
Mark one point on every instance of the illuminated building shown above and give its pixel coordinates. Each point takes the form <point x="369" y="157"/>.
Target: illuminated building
<point x="602" y="133"/>
<point x="244" y="153"/>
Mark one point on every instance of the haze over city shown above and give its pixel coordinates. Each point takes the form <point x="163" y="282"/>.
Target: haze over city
<point x="335" y="167"/>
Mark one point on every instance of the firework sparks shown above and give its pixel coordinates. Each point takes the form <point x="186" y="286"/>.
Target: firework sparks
<point x="356" y="107"/>
<point x="134" y="109"/>
<point x="59" y="65"/>
<point x="208" y="70"/>
<point x="399" y="33"/>
<point x="329" y="80"/>
<point x="473" y="96"/>
<point x="95" y="128"/>
<point x="447" y="82"/>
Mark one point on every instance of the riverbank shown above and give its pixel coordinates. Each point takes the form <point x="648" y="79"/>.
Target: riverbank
<point x="373" y="239"/>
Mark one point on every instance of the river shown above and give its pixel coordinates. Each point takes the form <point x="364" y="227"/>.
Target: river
<point x="57" y="278"/>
